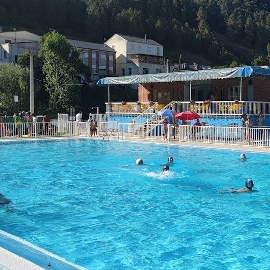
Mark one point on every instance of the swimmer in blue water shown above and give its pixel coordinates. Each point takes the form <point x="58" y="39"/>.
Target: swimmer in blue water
<point x="4" y="200"/>
<point x="249" y="184"/>
<point x="248" y="187"/>
<point x="243" y="156"/>
<point x="165" y="168"/>
<point x="168" y="163"/>
<point x="139" y="161"/>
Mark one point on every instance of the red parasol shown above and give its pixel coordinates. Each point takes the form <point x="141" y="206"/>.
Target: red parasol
<point x="187" y="115"/>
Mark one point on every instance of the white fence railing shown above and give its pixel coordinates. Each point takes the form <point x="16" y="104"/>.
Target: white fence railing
<point x="257" y="136"/>
<point x="37" y="129"/>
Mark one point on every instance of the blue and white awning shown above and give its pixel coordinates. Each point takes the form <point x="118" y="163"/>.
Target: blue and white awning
<point x="200" y="75"/>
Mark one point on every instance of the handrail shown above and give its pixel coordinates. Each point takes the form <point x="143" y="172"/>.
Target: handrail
<point x="205" y="108"/>
<point x="148" y="113"/>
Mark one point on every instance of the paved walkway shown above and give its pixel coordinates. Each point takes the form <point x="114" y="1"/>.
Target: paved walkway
<point x="10" y="261"/>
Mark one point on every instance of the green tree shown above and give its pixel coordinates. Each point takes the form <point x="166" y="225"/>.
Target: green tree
<point x="260" y="61"/>
<point x="14" y="79"/>
<point x="41" y="95"/>
<point x="61" y="69"/>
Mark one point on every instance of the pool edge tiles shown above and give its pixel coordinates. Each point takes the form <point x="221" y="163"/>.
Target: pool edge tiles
<point x="26" y="251"/>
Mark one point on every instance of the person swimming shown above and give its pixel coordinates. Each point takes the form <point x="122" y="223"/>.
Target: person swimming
<point x="139" y="161"/>
<point x="249" y="184"/>
<point x="168" y="163"/>
<point x="165" y="168"/>
<point x="4" y="200"/>
<point x="243" y="156"/>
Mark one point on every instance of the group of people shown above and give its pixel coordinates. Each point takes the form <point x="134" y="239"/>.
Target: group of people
<point x="25" y="123"/>
<point x="165" y="167"/>
<point x="249" y="184"/>
<point x="31" y="123"/>
<point x="247" y="122"/>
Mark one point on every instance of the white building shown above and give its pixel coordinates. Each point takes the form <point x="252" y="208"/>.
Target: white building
<point x="15" y="43"/>
<point x="99" y="57"/>
<point x="136" y="55"/>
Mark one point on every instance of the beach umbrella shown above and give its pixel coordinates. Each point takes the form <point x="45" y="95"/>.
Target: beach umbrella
<point x="186" y="115"/>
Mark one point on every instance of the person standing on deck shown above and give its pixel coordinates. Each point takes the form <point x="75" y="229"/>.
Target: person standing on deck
<point x="18" y="124"/>
<point x="249" y="126"/>
<point x="46" y="123"/>
<point x="165" y="127"/>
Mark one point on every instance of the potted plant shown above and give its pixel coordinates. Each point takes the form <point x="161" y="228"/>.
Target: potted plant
<point x="151" y="103"/>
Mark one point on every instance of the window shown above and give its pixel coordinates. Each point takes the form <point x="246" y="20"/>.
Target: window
<point x="139" y="48"/>
<point x="129" y="71"/>
<point x="132" y="47"/>
<point x="102" y="60"/>
<point x="94" y="62"/>
<point x="148" y="49"/>
<point x="158" y="51"/>
<point x="5" y="55"/>
<point x="123" y="72"/>
<point x="145" y="70"/>
<point x="234" y="93"/>
<point x="158" y="70"/>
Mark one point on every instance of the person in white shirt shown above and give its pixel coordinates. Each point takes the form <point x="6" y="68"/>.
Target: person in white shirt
<point x="79" y="117"/>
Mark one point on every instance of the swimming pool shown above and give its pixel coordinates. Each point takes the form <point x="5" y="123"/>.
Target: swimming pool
<point x="87" y="201"/>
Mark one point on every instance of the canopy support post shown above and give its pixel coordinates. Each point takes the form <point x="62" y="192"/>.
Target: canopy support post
<point x="190" y="90"/>
<point x="108" y="90"/>
<point x="241" y="87"/>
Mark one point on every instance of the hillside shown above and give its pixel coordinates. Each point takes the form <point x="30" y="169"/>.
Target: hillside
<point x="212" y="32"/>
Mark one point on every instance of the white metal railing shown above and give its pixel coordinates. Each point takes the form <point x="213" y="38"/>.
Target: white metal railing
<point x="202" y="107"/>
<point x="257" y="136"/>
<point x="38" y="129"/>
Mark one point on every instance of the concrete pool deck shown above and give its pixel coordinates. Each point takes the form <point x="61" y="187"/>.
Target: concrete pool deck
<point x="19" y="257"/>
<point x="18" y="254"/>
<point x="10" y="261"/>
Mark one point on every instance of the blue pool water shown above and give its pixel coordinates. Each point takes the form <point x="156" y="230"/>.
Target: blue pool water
<point x="87" y="201"/>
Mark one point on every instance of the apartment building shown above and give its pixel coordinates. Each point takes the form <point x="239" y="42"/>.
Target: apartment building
<point x="136" y="55"/>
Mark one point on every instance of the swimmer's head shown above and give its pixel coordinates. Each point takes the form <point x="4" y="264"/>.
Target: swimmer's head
<point x="243" y="156"/>
<point x="170" y="159"/>
<point x="166" y="168"/>
<point x="139" y="161"/>
<point x="249" y="183"/>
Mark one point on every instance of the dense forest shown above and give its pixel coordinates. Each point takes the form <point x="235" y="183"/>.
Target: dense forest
<point x="215" y="32"/>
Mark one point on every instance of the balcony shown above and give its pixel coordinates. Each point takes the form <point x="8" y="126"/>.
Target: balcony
<point x="204" y="108"/>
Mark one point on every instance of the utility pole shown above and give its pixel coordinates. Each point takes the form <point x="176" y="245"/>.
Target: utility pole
<point x="32" y="93"/>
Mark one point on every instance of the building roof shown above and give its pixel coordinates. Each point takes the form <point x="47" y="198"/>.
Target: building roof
<point x="25" y="36"/>
<point x="19" y="36"/>
<point x="139" y="40"/>
<point x="89" y="45"/>
<point x="211" y="74"/>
